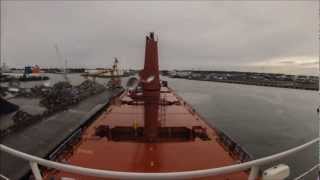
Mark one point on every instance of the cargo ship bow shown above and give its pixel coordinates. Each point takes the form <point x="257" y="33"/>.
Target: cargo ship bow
<point x="149" y="128"/>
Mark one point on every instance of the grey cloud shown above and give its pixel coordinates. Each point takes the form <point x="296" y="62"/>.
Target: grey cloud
<point x="191" y="34"/>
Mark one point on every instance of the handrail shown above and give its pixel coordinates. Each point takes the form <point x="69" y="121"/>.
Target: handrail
<point x="168" y="175"/>
<point x="307" y="172"/>
<point x="3" y="177"/>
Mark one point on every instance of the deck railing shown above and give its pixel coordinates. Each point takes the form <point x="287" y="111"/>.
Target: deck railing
<point x="252" y="165"/>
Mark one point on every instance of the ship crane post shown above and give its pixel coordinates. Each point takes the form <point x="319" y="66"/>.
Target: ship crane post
<point x="151" y="89"/>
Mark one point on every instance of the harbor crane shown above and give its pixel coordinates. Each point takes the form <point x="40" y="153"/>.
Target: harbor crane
<point x="60" y="57"/>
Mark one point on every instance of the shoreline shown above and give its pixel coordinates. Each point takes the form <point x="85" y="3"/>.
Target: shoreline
<point x="249" y="78"/>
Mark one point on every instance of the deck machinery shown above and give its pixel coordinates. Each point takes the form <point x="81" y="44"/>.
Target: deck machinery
<point x="149" y="128"/>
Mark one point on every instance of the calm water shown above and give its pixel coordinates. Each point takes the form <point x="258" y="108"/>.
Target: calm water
<point x="264" y="120"/>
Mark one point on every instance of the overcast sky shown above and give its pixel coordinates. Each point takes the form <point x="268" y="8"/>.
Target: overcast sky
<point x="205" y="35"/>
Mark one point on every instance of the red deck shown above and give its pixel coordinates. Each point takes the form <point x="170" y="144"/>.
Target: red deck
<point x="101" y="153"/>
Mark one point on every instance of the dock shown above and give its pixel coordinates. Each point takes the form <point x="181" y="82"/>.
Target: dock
<point x="41" y="138"/>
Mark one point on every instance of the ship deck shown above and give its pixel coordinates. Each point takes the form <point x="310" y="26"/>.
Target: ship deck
<point x="101" y="153"/>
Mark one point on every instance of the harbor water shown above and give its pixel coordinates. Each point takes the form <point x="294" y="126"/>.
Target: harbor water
<point x="264" y="120"/>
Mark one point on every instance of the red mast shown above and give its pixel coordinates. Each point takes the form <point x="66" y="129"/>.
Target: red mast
<point x="151" y="65"/>
<point x="151" y="88"/>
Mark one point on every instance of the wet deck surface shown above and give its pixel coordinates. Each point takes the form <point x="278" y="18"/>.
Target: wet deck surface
<point x="41" y="138"/>
<point x="101" y="153"/>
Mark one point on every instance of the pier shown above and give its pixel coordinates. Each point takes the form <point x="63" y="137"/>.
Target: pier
<point x="42" y="138"/>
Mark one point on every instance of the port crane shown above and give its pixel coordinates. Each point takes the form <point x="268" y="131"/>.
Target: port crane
<point x="114" y="74"/>
<point x="60" y="57"/>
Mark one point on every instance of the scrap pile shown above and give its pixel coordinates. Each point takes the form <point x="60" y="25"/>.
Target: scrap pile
<point x="21" y="118"/>
<point x="64" y="94"/>
<point x="40" y="91"/>
<point x="88" y="88"/>
<point x="60" y="96"/>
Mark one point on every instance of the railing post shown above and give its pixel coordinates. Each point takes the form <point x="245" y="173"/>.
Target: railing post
<point x="35" y="170"/>
<point x="253" y="173"/>
<point x="3" y="177"/>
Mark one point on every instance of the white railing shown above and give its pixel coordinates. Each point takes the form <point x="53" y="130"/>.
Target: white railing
<point x="307" y="172"/>
<point x="3" y="177"/>
<point x="253" y="165"/>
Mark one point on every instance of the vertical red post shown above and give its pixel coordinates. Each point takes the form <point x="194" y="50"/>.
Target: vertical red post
<point x="151" y="90"/>
<point x="151" y="65"/>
